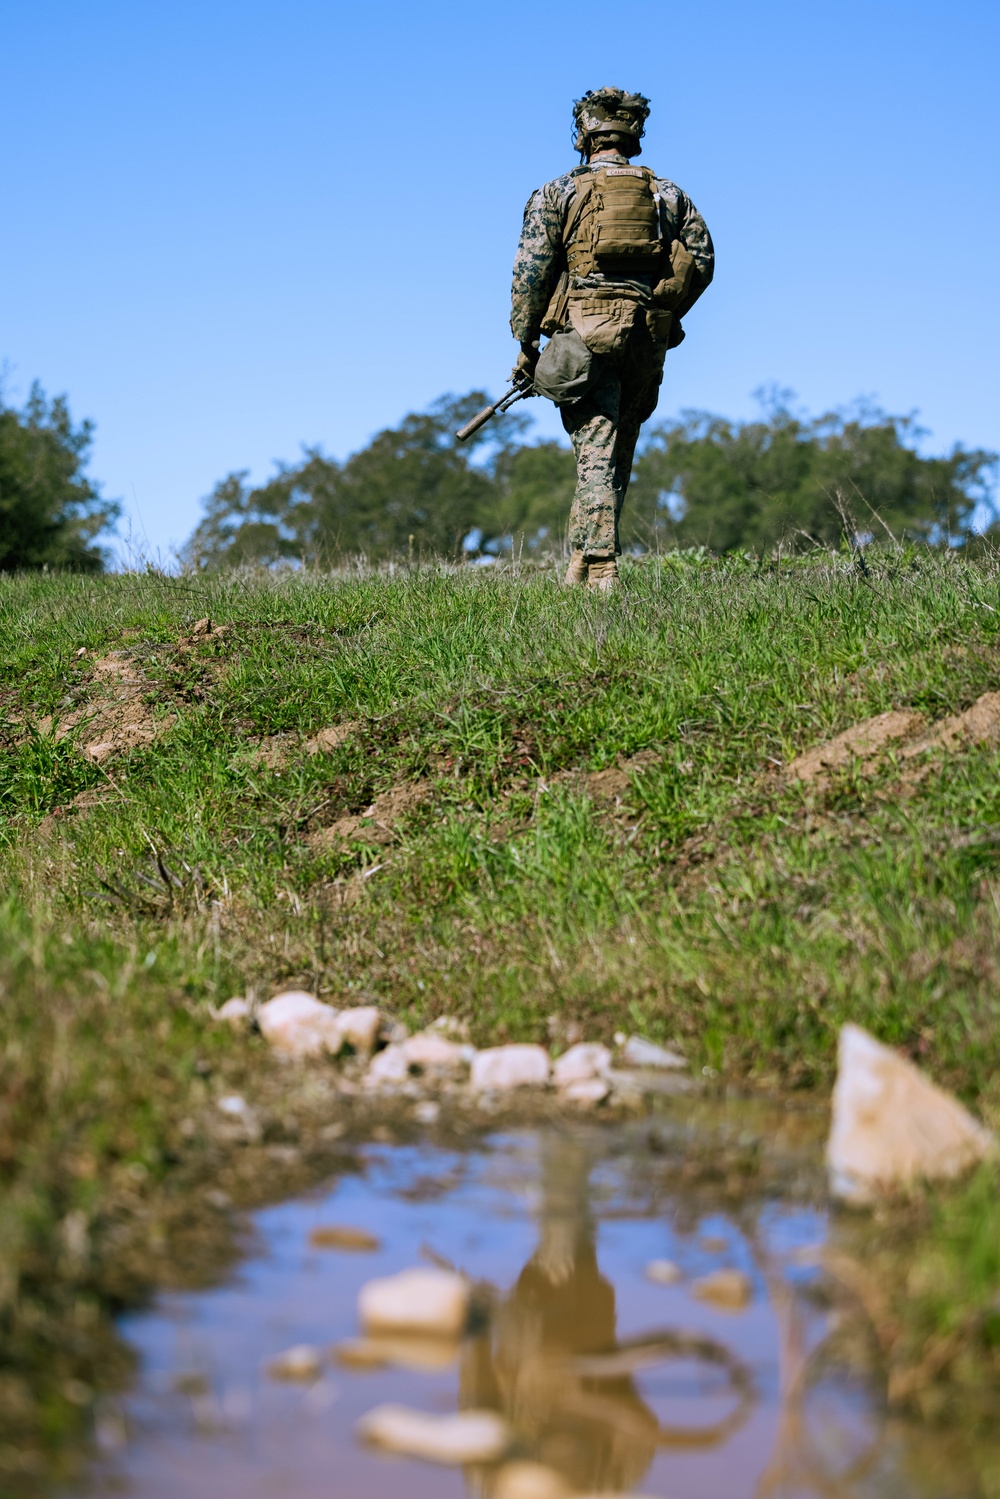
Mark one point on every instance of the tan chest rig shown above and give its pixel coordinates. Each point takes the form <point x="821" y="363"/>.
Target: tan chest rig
<point x="613" y="227"/>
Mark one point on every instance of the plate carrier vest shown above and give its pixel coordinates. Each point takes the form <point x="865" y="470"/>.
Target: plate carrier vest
<point x="613" y="225"/>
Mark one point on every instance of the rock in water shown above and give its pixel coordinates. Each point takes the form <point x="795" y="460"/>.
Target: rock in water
<point x="422" y="1355"/>
<point x="530" y="1481"/>
<point x="432" y="1303"/>
<point x="299" y="1025"/>
<point x="664" y="1272"/>
<point x="891" y="1125"/>
<point x="340" y="1236"/>
<point x="729" y="1289"/>
<point x="581" y="1064"/>
<point x="301" y="1362"/>
<point x="502" y="1067"/>
<point x="466" y="1437"/>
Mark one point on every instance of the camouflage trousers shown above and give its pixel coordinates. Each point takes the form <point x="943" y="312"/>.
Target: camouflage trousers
<point x="604" y="427"/>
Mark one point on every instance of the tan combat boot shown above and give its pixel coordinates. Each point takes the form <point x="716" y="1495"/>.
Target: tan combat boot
<point x="603" y="574"/>
<point x="576" y="573"/>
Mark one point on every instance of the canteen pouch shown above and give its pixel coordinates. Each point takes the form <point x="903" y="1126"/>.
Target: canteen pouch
<point x="603" y="320"/>
<point x="566" y="368"/>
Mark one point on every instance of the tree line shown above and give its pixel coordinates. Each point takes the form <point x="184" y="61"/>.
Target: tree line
<point x="700" y="480"/>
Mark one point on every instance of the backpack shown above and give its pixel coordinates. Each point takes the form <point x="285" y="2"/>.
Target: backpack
<point x="613" y="227"/>
<point x="613" y="224"/>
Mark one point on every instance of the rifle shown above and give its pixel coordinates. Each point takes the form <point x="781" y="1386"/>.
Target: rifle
<point x="516" y="392"/>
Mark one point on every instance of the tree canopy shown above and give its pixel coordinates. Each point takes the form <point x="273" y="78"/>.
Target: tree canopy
<point x="50" y="512"/>
<point x="725" y="484"/>
<point x="701" y="480"/>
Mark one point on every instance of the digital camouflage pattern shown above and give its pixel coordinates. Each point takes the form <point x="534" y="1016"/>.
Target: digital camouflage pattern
<point x="604" y="425"/>
<point x="604" y="428"/>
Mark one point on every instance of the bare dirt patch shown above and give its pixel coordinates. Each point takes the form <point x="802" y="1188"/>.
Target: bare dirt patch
<point x="378" y="825"/>
<point x="862" y="746"/>
<point x="127" y="706"/>
<point x="118" y="718"/>
<point x="978" y="725"/>
<point x="279" y="750"/>
<point x="862" y="742"/>
<point x="610" y="788"/>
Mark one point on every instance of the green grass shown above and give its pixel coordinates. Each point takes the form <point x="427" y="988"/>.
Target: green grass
<point x="717" y="905"/>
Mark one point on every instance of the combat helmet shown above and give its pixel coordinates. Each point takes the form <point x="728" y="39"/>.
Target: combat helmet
<point x="606" y="111"/>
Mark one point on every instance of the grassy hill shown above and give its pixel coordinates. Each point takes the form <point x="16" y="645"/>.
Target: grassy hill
<point x="552" y="814"/>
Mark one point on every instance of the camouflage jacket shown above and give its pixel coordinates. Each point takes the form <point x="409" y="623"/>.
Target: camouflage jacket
<point x="541" y="258"/>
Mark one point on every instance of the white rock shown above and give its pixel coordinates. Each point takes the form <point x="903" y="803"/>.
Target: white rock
<point x="891" y="1125"/>
<point x="432" y="1303"/>
<point x="235" y="1011"/>
<point x="587" y="1091"/>
<point x="359" y="1027"/>
<point x="302" y="1362"/>
<point x="432" y="1053"/>
<point x="299" y="1025"/>
<point x="664" y="1272"/>
<point x="501" y="1067"/>
<point x="466" y="1437"/>
<point x="427" y="1112"/>
<point x="581" y="1063"/>
<point x="387" y="1069"/>
<point x="530" y="1481"/>
<point x="638" y="1052"/>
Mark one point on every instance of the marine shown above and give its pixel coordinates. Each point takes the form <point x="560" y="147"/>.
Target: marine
<point x="610" y="259"/>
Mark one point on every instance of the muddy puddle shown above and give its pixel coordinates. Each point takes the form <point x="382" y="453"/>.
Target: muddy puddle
<point x="604" y="1335"/>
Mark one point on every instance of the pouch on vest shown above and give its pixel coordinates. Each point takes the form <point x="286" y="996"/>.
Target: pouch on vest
<point x="565" y="369"/>
<point x="603" y="319"/>
<point x="660" y="324"/>
<point x="557" y="311"/>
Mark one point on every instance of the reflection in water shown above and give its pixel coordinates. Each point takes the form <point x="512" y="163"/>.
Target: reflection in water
<point x="614" y="1384"/>
<point x="550" y="1362"/>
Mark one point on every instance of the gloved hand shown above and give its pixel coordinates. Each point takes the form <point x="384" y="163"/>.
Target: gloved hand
<point x="523" y="372"/>
<point x="671" y="291"/>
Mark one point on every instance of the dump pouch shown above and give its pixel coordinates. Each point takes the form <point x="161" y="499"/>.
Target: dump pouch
<point x="566" y="368"/>
<point x="603" y="318"/>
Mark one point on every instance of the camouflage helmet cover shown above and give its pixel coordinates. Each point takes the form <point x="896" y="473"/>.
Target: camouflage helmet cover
<point x="609" y="111"/>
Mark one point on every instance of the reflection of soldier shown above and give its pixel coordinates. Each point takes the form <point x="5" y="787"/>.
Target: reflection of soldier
<point x="610" y="258"/>
<point x="596" y="1431"/>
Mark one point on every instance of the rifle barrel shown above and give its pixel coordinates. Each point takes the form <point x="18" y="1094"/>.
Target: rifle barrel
<point x="515" y="393"/>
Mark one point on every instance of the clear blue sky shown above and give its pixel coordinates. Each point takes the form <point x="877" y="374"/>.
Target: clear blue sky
<point x="230" y="229"/>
